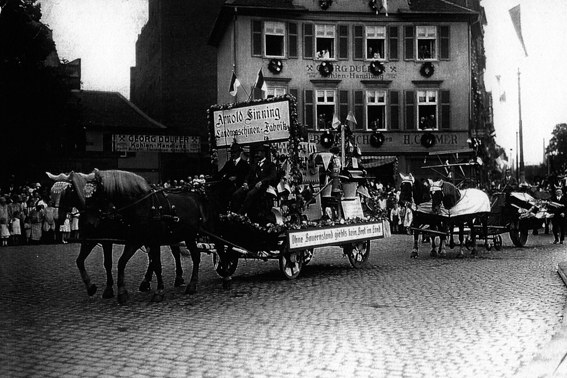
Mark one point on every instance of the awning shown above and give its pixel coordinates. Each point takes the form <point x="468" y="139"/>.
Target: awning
<point x="377" y="161"/>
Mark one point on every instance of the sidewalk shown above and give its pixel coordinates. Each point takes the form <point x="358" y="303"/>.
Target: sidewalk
<point x="551" y="362"/>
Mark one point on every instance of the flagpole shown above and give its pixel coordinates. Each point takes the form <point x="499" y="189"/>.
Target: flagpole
<point x="521" y="134"/>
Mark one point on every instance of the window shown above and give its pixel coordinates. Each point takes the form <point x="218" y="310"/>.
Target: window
<point x="325" y="41"/>
<point x="426" y="38"/>
<point x="427" y="109"/>
<point x="376" y="109"/>
<point x="275" y="91"/>
<point x="375" y="42"/>
<point x="325" y="108"/>
<point x="274" y="37"/>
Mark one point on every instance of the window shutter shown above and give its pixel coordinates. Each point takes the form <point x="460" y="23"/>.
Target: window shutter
<point x="358" y="43"/>
<point x="295" y="93"/>
<point x="394" y="110"/>
<point x="444" y="52"/>
<point x="343" y="105"/>
<point x="308" y="41"/>
<point x="292" y="40"/>
<point x="410" y="110"/>
<point x="359" y="109"/>
<point x="445" y="110"/>
<point x="409" y="43"/>
<point x="393" y="42"/>
<point x="343" y="42"/>
<point x="256" y="38"/>
<point x="308" y="115"/>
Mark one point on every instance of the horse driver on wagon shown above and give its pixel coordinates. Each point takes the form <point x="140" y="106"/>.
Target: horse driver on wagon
<point x="232" y="174"/>
<point x="263" y="173"/>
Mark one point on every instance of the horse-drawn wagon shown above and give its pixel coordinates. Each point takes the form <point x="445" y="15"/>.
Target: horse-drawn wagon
<point x="305" y="209"/>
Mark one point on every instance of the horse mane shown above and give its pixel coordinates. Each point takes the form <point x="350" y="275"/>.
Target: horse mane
<point x="117" y="183"/>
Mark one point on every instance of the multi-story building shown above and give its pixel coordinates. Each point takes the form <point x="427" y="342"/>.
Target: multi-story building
<point x="174" y="80"/>
<point x="409" y="71"/>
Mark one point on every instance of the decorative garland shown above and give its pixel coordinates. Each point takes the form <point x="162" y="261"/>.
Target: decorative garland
<point x="325" y="68"/>
<point x="427" y="69"/>
<point x="327" y="139"/>
<point x="428" y="140"/>
<point x="377" y="68"/>
<point x="275" y="66"/>
<point x="377" y="139"/>
<point x="325" y="4"/>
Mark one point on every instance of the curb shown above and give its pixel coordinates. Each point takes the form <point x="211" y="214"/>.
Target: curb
<point x="551" y="361"/>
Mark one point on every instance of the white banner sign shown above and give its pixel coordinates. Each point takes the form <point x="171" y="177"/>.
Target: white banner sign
<point x="319" y="237"/>
<point x="267" y="121"/>
<point x="157" y="143"/>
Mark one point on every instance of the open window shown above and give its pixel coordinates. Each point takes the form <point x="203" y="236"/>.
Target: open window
<point x="375" y="42"/>
<point x="426" y="37"/>
<point x="376" y="109"/>
<point x="325" y="108"/>
<point x="427" y="103"/>
<point x="274" y="39"/>
<point x="325" y="41"/>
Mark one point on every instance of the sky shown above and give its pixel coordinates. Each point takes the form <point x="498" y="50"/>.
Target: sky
<point x="103" y="34"/>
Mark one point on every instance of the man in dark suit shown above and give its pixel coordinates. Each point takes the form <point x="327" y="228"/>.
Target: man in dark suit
<point x="263" y="173"/>
<point x="232" y="174"/>
<point x="559" y="222"/>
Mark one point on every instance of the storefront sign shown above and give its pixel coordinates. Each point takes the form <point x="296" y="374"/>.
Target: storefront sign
<point x="405" y="141"/>
<point x="157" y="143"/>
<point x="319" y="237"/>
<point x="265" y="121"/>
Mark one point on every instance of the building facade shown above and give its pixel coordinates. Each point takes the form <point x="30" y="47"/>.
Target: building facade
<point x="174" y="80"/>
<point x="407" y="70"/>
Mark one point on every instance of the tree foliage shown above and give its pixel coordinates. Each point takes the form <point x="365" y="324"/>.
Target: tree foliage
<point x="32" y="90"/>
<point x="556" y="150"/>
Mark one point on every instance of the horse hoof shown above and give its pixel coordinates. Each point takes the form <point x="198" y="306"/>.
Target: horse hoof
<point x="123" y="297"/>
<point x="414" y="255"/>
<point x="158" y="297"/>
<point x="108" y="293"/>
<point x="433" y="254"/>
<point x="178" y="281"/>
<point x="191" y="288"/>
<point x="144" y="286"/>
<point x="474" y="252"/>
<point x="92" y="290"/>
<point x="460" y="256"/>
<point x="226" y="284"/>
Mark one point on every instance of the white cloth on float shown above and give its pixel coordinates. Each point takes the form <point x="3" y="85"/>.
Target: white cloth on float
<point x="472" y="201"/>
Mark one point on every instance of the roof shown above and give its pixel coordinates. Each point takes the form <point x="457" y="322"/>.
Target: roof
<point x="287" y="4"/>
<point x="438" y="6"/>
<point x="101" y="110"/>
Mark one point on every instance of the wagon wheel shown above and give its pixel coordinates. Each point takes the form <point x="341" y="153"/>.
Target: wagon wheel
<point x="307" y="256"/>
<point x="357" y="253"/>
<point x="498" y="242"/>
<point x="231" y="263"/>
<point x="291" y="264"/>
<point x="519" y="237"/>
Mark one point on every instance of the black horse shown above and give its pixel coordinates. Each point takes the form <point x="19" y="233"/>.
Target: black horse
<point x="150" y="217"/>
<point x="466" y="207"/>
<point x="101" y="231"/>
<point x="417" y="194"/>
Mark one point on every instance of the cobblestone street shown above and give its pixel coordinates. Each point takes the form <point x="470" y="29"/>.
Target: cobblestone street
<point x="398" y="317"/>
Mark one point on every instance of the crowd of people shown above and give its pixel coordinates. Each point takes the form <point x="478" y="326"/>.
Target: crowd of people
<point x="28" y="216"/>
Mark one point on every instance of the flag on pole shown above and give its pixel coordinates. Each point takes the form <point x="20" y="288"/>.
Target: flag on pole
<point x="260" y="83"/>
<point x="350" y="117"/>
<point x="516" y="20"/>
<point x="234" y="84"/>
<point x="336" y="123"/>
<point x="502" y="92"/>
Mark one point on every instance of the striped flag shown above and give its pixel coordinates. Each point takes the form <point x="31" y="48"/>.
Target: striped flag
<point x="516" y="20"/>
<point x="234" y="84"/>
<point x="260" y="82"/>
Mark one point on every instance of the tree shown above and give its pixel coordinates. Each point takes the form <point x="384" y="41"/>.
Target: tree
<point x="556" y="150"/>
<point x="32" y="90"/>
